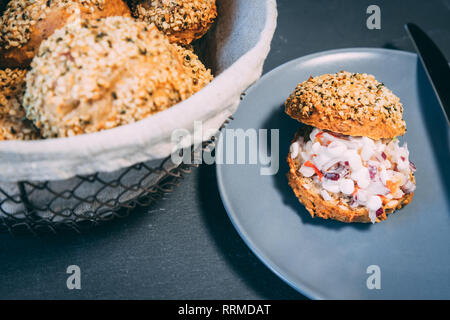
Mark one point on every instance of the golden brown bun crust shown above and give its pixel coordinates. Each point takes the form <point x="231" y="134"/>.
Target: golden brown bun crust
<point x="13" y="125"/>
<point x="318" y="207"/>
<point x="20" y="56"/>
<point x="183" y="21"/>
<point x="349" y="103"/>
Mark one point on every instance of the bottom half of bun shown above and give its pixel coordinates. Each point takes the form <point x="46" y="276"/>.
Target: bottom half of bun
<point x="308" y="193"/>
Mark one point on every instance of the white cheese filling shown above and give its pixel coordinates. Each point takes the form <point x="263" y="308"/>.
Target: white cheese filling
<point x="357" y="171"/>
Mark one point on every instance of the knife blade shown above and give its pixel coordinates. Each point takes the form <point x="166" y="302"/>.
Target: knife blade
<point x="435" y="64"/>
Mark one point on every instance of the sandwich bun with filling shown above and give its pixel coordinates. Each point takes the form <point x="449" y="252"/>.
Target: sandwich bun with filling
<point x="346" y="163"/>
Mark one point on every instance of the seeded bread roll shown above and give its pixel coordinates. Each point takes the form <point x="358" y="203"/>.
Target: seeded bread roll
<point x="308" y="193"/>
<point x="13" y="124"/>
<point x="95" y="75"/>
<point x="353" y="104"/>
<point x="26" y="23"/>
<point x="199" y="74"/>
<point x="181" y="20"/>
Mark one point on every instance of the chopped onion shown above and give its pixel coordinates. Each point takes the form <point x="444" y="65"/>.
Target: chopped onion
<point x="356" y="169"/>
<point x="306" y="171"/>
<point x="294" y="150"/>
<point x="408" y="187"/>
<point x="325" y="195"/>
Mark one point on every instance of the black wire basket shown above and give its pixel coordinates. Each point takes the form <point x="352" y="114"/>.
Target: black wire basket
<point x="82" y="202"/>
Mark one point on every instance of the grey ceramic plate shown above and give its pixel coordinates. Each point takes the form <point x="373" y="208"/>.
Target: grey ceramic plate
<point x="329" y="259"/>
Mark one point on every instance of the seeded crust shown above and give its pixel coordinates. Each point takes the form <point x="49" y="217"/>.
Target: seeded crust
<point x="318" y="207"/>
<point x="95" y="75"/>
<point x="200" y="75"/>
<point x="13" y="124"/>
<point x="181" y="20"/>
<point x="353" y="104"/>
<point x="26" y="23"/>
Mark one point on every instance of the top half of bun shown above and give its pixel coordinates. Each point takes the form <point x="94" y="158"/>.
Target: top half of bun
<point x="353" y="104"/>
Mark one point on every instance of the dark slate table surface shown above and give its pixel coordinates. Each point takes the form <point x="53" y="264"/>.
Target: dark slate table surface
<point x="184" y="247"/>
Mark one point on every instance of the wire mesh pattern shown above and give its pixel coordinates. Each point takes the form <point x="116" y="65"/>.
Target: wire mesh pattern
<point x="85" y="201"/>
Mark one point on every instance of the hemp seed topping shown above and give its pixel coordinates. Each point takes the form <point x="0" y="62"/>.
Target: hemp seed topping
<point x="13" y="124"/>
<point x="182" y="20"/>
<point x="21" y="15"/>
<point x="200" y="75"/>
